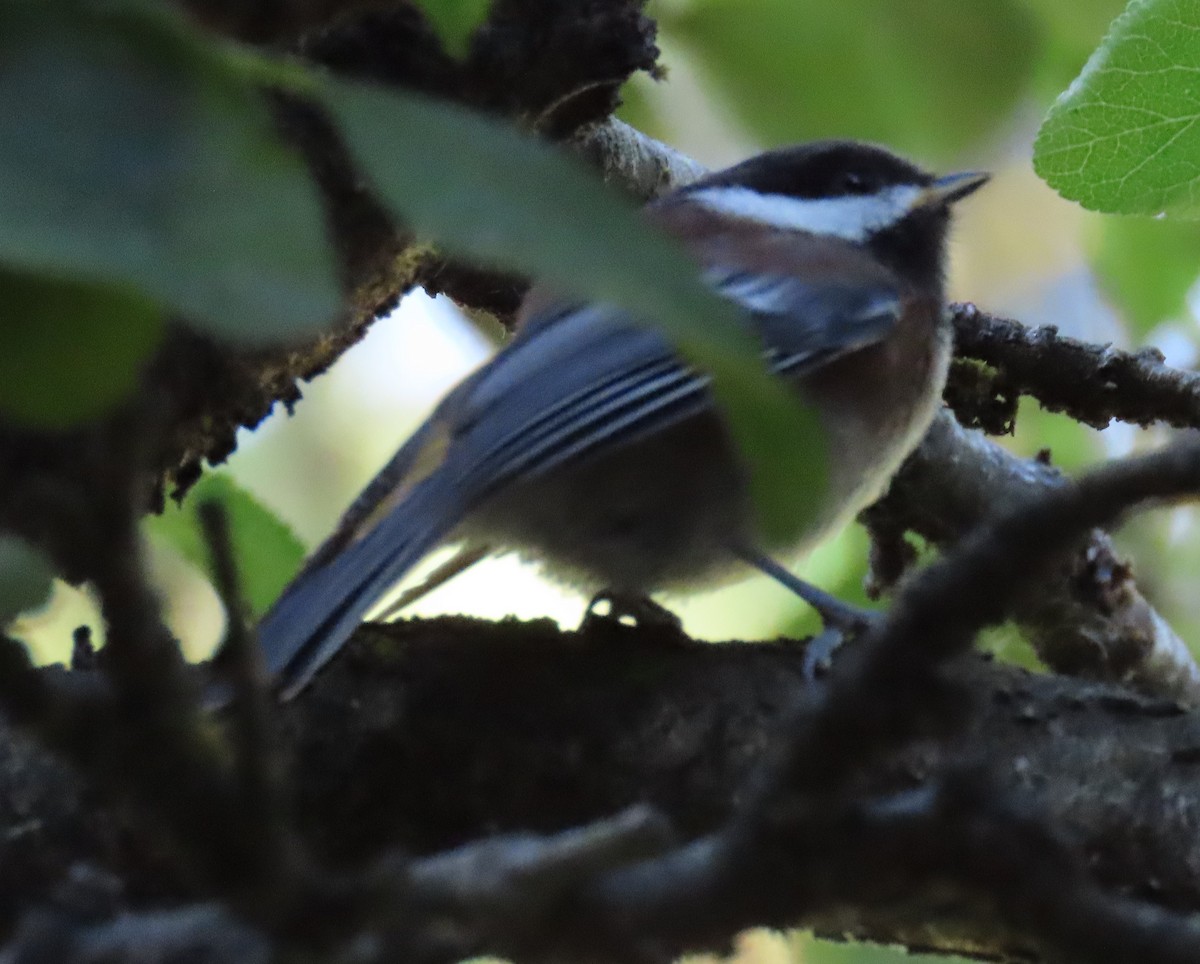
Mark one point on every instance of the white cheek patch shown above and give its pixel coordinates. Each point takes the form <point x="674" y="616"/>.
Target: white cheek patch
<point x="853" y="217"/>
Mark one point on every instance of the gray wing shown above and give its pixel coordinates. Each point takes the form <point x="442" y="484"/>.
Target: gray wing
<point x="804" y="324"/>
<point x="580" y="377"/>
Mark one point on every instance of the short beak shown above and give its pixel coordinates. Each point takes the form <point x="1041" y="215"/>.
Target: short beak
<point x="950" y="188"/>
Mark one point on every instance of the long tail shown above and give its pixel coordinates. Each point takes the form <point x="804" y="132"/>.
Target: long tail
<point x="377" y="543"/>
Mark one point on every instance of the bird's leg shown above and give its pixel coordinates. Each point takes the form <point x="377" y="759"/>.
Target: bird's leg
<point x="840" y="619"/>
<point x="625" y="606"/>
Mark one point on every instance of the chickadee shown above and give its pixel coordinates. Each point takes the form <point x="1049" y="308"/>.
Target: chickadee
<point x="588" y="445"/>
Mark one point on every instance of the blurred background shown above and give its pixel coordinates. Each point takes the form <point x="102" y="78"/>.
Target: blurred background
<point x="952" y="85"/>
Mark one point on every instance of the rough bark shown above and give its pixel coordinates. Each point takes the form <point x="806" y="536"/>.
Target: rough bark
<point x="430" y="735"/>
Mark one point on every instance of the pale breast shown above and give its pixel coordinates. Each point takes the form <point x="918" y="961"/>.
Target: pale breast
<point x="878" y="403"/>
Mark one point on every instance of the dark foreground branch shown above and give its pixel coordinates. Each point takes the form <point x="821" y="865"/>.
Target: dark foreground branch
<point x="432" y="734"/>
<point x="823" y="807"/>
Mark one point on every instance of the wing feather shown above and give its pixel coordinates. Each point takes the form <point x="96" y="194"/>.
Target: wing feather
<point x="594" y="376"/>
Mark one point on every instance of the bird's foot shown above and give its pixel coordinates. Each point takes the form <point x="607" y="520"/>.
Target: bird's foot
<point x="840" y="621"/>
<point x="629" y="609"/>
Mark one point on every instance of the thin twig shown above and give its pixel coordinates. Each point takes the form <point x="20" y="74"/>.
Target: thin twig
<point x="1092" y="383"/>
<point x="257" y="770"/>
<point x="182" y="935"/>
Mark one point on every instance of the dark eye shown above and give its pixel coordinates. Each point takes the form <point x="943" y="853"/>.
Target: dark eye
<point x="852" y="182"/>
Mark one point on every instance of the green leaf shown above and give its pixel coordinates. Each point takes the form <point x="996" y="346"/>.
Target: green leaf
<point x="136" y="151"/>
<point x="1125" y="136"/>
<point x="1146" y="266"/>
<point x="26" y="578"/>
<point x="455" y="20"/>
<point x="927" y="76"/>
<point x="479" y="188"/>
<point x="69" y="350"/>
<point x="267" y="552"/>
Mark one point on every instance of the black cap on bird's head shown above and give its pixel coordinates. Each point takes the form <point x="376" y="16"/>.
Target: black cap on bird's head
<point x="858" y="192"/>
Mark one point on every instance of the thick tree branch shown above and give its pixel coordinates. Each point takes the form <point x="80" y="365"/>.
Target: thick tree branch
<point x="635" y="164"/>
<point x="1087" y="617"/>
<point x="431" y="734"/>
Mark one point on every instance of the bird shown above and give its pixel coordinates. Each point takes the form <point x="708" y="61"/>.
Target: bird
<point x="588" y="445"/>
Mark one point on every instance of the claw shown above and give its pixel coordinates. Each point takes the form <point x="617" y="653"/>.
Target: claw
<point x="818" y="654"/>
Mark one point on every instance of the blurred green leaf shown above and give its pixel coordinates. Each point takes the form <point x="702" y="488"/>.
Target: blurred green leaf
<point x="26" y="578"/>
<point x="1008" y="645"/>
<point x="482" y="189"/>
<point x="267" y="552"/>
<point x="813" y="950"/>
<point x="1125" y="136"/>
<point x="839" y="566"/>
<point x="1070" y="31"/>
<point x="1146" y="266"/>
<point x="135" y="151"/>
<point x="1081" y="21"/>
<point x="928" y="76"/>
<point x="69" y="350"/>
<point x="1071" y="445"/>
<point x="637" y="108"/>
<point x="1166" y="551"/>
<point x="455" y="20"/>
